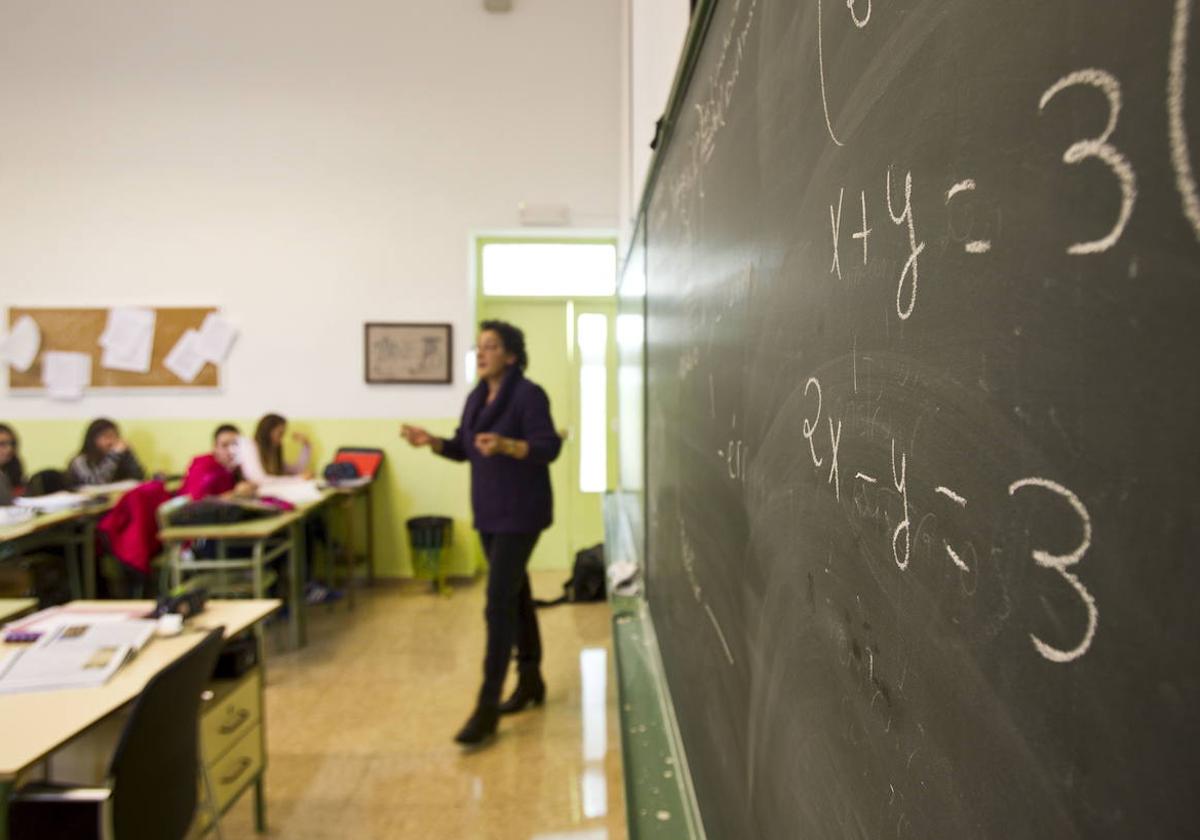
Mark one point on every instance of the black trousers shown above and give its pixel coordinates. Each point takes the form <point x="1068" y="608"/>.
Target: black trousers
<point x="510" y="615"/>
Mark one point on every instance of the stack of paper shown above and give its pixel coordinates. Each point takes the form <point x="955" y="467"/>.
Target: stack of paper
<point x="215" y="338"/>
<point x="65" y="375"/>
<point x="108" y="489"/>
<point x="32" y="627"/>
<point x="128" y="339"/>
<point x="52" y="502"/>
<point x="10" y="516"/>
<point x="75" y="655"/>
<point x="21" y="346"/>
<point x="185" y="359"/>
<point x="293" y="489"/>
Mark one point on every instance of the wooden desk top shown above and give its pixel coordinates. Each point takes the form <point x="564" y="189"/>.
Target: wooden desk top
<point x="45" y="521"/>
<point x="11" y="608"/>
<point x="34" y="724"/>
<point x="255" y="529"/>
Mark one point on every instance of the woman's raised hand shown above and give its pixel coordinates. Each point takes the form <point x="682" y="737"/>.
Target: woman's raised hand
<point x="415" y="435"/>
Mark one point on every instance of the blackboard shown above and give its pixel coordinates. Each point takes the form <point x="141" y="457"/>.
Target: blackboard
<point x="923" y="298"/>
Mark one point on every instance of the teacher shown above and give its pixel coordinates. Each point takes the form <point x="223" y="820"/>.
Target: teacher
<point x="508" y="436"/>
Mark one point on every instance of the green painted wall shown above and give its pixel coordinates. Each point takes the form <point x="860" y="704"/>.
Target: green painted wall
<point x="412" y="483"/>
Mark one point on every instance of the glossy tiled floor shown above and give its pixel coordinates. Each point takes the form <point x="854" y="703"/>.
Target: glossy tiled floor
<point x="360" y="724"/>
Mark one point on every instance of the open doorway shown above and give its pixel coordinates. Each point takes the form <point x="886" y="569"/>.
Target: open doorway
<point x="561" y="292"/>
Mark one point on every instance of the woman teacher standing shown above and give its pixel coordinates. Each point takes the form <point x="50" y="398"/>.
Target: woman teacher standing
<point x="508" y="436"/>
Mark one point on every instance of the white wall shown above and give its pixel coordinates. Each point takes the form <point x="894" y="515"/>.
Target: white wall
<point x="306" y="166"/>
<point x="657" y="30"/>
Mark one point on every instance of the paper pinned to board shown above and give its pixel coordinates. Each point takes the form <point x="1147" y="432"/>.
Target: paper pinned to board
<point x="185" y="359"/>
<point x="215" y="338"/>
<point x="128" y="339"/>
<point x="21" y="346"/>
<point x="66" y="375"/>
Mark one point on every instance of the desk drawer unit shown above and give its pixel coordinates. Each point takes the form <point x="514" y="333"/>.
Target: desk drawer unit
<point x="236" y="707"/>
<point x="237" y="768"/>
<point x="229" y="776"/>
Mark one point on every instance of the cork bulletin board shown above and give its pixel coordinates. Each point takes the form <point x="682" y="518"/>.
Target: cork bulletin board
<point x="79" y="330"/>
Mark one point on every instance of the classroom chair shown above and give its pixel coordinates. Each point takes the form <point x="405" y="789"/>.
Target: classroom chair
<point x="155" y="770"/>
<point x="45" y="482"/>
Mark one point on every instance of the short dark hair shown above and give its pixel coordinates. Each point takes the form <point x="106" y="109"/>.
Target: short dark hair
<point x="511" y="337"/>
<point x="223" y="428"/>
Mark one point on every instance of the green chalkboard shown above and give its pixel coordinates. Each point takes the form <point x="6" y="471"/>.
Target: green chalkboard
<point x="922" y="407"/>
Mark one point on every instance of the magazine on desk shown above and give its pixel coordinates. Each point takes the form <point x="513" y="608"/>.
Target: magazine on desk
<point x="75" y="655"/>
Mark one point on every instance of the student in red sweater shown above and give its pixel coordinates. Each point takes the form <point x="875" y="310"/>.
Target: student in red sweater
<point x="131" y="527"/>
<point x="217" y="473"/>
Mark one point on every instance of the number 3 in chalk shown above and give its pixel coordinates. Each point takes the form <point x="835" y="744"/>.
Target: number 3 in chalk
<point x="1099" y="148"/>
<point x="1060" y="562"/>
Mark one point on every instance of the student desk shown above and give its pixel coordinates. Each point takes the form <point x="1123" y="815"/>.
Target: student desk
<point x="11" y="608"/>
<point x="267" y="539"/>
<point x="344" y="498"/>
<point x="75" y="529"/>
<point x="33" y="725"/>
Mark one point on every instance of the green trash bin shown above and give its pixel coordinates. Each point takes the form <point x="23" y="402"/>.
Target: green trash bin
<point x="429" y="536"/>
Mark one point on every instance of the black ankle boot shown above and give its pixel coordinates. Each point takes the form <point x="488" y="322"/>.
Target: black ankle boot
<point x="530" y="690"/>
<point x="480" y="726"/>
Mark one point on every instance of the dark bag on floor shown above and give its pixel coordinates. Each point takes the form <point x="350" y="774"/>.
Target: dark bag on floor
<point x="586" y="582"/>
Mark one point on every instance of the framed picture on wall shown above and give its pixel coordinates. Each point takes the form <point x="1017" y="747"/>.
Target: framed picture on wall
<point x="408" y="353"/>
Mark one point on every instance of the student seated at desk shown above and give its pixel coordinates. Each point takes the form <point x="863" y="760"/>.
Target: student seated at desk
<point x="217" y="473"/>
<point x="261" y="458"/>
<point x="262" y="463"/>
<point x="131" y="527"/>
<point x="12" y="472"/>
<point x="104" y="457"/>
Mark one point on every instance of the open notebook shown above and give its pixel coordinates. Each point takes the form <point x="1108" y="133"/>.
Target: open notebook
<point x="75" y="655"/>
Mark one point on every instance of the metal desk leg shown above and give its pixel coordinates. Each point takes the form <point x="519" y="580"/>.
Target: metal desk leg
<point x="74" y="560"/>
<point x="5" y="792"/>
<point x="175" y="563"/>
<point x="369" y="498"/>
<point x="296" y="584"/>
<point x="260" y="805"/>
<point x="259" y="592"/>
<point x="89" y="559"/>
<point x="257" y="570"/>
<point x="330" y="562"/>
<point x="260" y="795"/>
<point x="349" y="552"/>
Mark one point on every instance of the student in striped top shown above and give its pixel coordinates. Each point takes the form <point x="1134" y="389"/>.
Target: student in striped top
<point x="12" y="471"/>
<point x="104" y="457"/>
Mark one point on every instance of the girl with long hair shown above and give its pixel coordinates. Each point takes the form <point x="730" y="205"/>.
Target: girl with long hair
<point x="104" y="457"/>
<point x="10" y="459"/>
<point x="261" y="457"/>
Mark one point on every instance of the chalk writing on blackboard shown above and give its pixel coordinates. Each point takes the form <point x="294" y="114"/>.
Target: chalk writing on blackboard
<point x="1060" y="562"/>
<point x="1181" y="158"/>
<point x="1101" y="149"/>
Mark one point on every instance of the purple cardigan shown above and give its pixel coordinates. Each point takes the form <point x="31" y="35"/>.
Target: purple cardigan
<point x="509" y="496"/>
